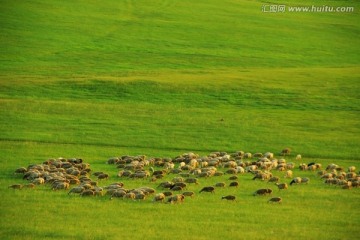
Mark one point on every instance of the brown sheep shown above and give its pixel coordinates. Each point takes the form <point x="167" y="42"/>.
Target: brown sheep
<point x="263" y="191"/>
<point x="76" y="190"/>
<point x="275" y="200"/>
<point x="87" y="193"/>
<point x="103" y="176"/>
<point x="16" y="186"/>
<point x="207" y="189"/>
<point x="234" y="184"/>
<point x="229" y="197"/>
<point x="274" y="179"/>
<point x="117" y="194"/>
<point x="220" y="184"/>
<point x="188" y="194"/>
<point x="282" y="186"/>
<point x="286" y="151"/>
<point x="159" y="197"/>
<point x="179" y="198"/>
<point x="130" y="195"/>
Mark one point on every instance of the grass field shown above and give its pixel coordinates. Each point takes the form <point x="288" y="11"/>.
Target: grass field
<point x="95" y="80"/>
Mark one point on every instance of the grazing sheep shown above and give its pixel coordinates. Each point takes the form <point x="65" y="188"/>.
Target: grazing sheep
<point x="296" y="180"/>
<point x="288" y="174"/>
<point x="188" y="194"/>
<point x="16" y="186"/>
<point x="231" y="171"/>
<point x="166" y="184"/>
<point x="180" y="184"/>
<point x="159" y="197"/>
<point x="247" y="155"/>
<point x="140" y="196"/>
<point x="305" y="180"/>
<point x="220" y="184"/>
<point x="176" y="188"/>
<point x="298" y="157"/>
<point x="303" y="166"/>
<point x="263" y="191"/>
<point x="192" y="180"/>
<point x="274" y="179"/>
<point x="103" y="176"/>
<point x="178" y="179"/>
<point x="234" y="184"/>
<point x="21" y="170"/>
<point x="29" y="185"/>
<point x="233" y="178"/>
<point x="179" y="198"/>
<point x="38" y="181"/>
<point x="285" y="151"/>
<point x="229" y="197"/>
<point x="281" y="186"/>
<point x="61" y="185"/>
<point x="76" y="190"/>
<point x="130" y="195"/>
<point x="352" y="169"/>
<point x="147" y="190"/>
<point x="275" y="200"/>
<point x="87" y="193"/>
<point x="207" y="189"/>
<point x="167" y="194"/>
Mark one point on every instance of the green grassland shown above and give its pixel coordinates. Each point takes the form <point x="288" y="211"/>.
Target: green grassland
<point x="95" y="79"/>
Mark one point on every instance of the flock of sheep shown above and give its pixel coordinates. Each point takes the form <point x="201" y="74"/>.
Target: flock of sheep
<point x="77" y="177"/>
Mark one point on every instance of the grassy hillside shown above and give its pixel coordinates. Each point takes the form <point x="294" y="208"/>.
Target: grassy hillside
<point x="94" y="80"/>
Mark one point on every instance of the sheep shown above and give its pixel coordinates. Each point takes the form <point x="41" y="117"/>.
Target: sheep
<point x="180" y="184"/>
<point x="166" y="184"/>
<point x="147" y="190"/>
<point x="352" y="169"/>
<point x="179" y="198"/>
<point x="263" y="191"/>
<point x="262" y="175"/>
<point x="285" y="151"/>
<point x="87" y="193"/>
<point x="298" y="157"/>
<point x="296" y="180"/>
<point x="76" y="190"/>
<point x="233" y="178"/>
<point x="140" y="196"/>
<point x="305" y="180"/>
<point x="234" y="184"/>
<point x="281" y="186"/>
<point x="288" y="174"/>
<point x="229" y="197"/>
<point x="231" y="171"/>
<point x="61" y="185"/>
<point x="220" y="184"/>
<point x="274" y="179"/>
<point x="192" y="180"/>
<point x="21" y="170"/>
<point x="16" y="186"/>
<point x="103" y="176"/>
<point x="303" y="166"/>
<point x="331" y="166"/>
<point x="167" y="193"/>
<point x="275" y="200"/>
<point x="247" y="155"/>
<point x="207" y="189"/>
<point x="188" y="194"/>
<point x="130" y="195"/>
<point x="177" y="188"/>
<point x="29" y="185"/>
<point x="159" y="197"/>
<point x="38" y="181"/>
